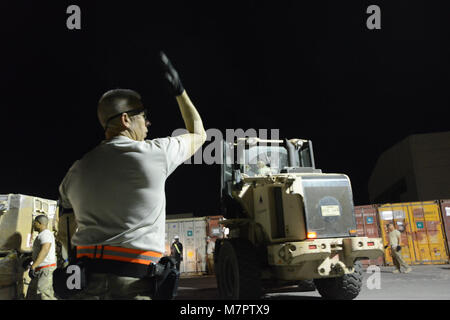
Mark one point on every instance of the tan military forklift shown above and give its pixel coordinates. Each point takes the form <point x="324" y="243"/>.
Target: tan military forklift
<point x="287" y="222"/>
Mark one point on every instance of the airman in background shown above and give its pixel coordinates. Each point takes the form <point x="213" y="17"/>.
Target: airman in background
<point x="395" y="243"/>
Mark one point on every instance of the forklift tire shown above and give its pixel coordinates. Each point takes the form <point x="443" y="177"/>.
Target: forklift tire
<point x="306" y="285"/>
<point x="346" y="287"/>
<point x="238" y="272"/>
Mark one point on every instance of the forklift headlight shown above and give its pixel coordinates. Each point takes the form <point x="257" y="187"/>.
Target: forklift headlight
<point x="311" y="235"/>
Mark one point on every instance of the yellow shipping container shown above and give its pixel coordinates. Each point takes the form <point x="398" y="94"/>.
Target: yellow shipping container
<point x="397" y="214"/>
<point x="422" y="230"/>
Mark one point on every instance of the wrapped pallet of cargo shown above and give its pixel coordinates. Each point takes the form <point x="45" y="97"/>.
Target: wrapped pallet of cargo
<point x="367" y="225"/>
<point x="10" y="275"/>
<point x="422" y="231"/>
<point x="17" y="213"/>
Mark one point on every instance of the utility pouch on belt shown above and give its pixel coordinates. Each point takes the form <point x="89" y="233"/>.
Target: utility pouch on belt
<point x="166" y="276"/>
<point x="71" y="279"/>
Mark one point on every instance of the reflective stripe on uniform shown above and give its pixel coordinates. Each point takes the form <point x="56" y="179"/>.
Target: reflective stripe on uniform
<point x="176" y="247"/>
<point x="119" y="254"/>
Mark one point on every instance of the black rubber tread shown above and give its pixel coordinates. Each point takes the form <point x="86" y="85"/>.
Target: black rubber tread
<point x="346" y="287"/>
<point x="238" y="260"/>
<point x="306" y="285"/>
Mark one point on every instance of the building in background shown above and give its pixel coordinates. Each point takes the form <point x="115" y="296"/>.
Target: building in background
<point x="415" y="169"/>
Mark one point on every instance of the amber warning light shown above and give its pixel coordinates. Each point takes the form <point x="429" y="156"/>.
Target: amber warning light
<point x="311" y="235"/>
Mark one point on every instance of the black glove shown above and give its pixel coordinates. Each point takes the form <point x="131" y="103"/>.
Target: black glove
<point x="26" y="263"/>
<point x="171" y="75"/>
<point x="32" y="273"/>
<point x="398" y="248"/>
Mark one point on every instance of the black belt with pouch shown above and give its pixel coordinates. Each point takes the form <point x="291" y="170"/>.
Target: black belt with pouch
<point x="74" y="278"/>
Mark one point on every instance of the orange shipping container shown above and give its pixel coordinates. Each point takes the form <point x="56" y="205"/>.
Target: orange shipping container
<point x="214" y="229"/>
<point x="367" y="226"/>
<point x="422" y="231"/>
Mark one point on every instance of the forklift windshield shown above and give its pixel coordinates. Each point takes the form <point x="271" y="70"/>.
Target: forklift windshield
<point x="249" y="159"/>
<point x="264" y="160"/>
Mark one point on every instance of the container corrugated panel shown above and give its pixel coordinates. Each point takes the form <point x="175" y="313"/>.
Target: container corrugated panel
<point x="445" y="213"/>
<point x="17" y="212"/>
<point x="192" y="233"/>
<point x="367" y="226"/>
<point x="397" y="214"/>
<point x="422" y="231"/>
<point x="429" y="240"/>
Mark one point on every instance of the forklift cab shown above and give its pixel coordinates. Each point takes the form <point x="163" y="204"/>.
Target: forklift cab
<point x="253" y="157"/>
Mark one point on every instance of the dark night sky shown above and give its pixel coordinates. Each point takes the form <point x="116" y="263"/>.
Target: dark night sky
<point x="314" y="71"/>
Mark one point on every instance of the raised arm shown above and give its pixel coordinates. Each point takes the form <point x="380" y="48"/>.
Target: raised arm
<point x="192" y="120"/>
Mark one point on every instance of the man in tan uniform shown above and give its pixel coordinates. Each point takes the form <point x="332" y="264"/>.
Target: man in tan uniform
<point x="396" y="246"/>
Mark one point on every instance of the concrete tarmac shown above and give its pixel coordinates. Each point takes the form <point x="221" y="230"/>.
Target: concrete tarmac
<point x="424" y="282"/>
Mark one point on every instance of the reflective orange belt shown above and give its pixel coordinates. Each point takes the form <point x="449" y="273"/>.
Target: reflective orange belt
<point x="49" y="265"/>
<point x="119" y="254"/>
